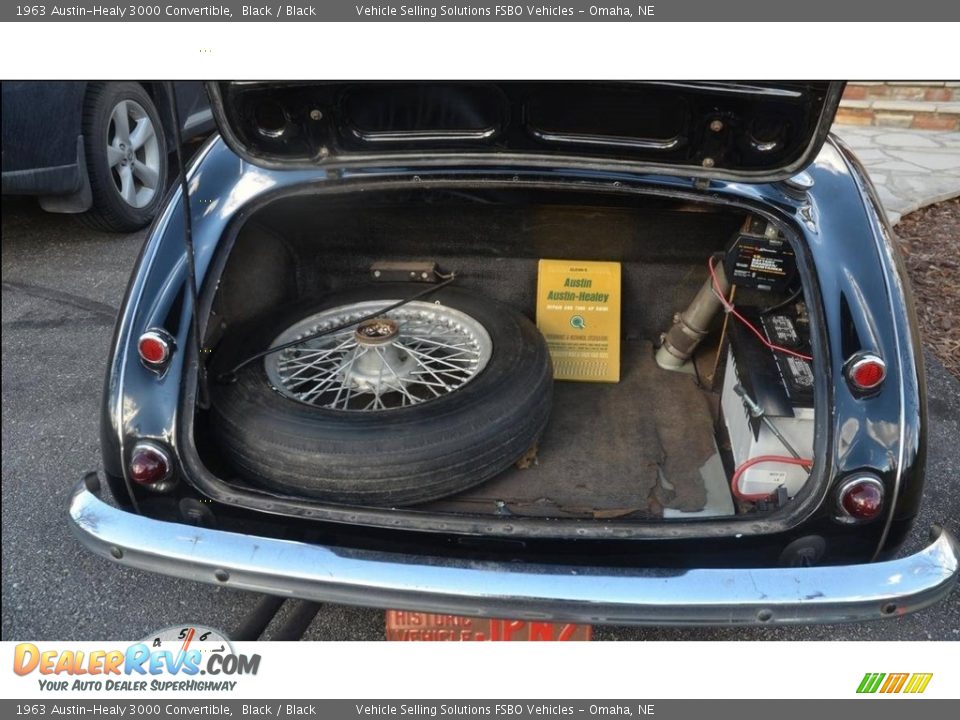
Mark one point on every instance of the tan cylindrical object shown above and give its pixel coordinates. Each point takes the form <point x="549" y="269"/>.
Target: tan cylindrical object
<point x="692" y="324"/>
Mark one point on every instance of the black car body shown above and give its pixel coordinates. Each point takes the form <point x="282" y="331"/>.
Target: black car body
<point x="45" y="153"/>
<point x="744" y="150"/>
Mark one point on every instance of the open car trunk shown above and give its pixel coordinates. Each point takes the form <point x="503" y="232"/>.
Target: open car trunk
<point x="653" y="447"/>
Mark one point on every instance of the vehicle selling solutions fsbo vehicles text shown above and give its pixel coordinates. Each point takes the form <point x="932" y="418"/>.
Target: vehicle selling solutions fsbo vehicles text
<point x="512" y="709"/>
<point x="505" y="11"/>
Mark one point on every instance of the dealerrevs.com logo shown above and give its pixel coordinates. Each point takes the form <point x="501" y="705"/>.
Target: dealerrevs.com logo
<point x="894" y="683"/>
<point x="170" y="659"/>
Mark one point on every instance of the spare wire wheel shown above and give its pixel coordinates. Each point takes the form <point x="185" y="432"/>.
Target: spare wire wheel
<point x="416" y="353"/>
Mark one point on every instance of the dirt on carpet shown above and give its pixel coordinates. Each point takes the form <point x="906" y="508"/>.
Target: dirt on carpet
<point x="930" y="242"/>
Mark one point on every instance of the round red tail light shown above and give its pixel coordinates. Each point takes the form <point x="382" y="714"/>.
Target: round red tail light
<point x="150" y="467"/>
<point x="154" y="347"/>
<point x="866" y="372"/>
<point x="861" y="498"/>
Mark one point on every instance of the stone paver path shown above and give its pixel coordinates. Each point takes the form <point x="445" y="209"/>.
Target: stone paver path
<point x="910" y="168"/>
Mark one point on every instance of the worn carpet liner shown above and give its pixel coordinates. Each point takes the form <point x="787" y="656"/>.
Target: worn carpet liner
<point x="610" y="450"/>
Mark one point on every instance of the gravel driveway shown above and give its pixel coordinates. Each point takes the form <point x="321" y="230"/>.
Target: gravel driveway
<point x="62" y="285"/>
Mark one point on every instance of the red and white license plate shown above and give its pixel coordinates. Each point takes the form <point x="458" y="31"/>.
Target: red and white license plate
<point x="406" y="625"/>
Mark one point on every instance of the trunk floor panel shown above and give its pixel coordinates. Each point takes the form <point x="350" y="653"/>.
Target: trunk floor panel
<point x="610" y="450"/>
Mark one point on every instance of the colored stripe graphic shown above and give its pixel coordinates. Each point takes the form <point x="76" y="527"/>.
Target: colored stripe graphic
<point x="894" y="682"/>
<point x="870" y="682"/>
<point x="918" y="682"/>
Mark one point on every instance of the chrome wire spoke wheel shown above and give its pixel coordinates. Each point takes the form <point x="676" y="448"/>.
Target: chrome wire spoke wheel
<point x="133" y="153"/>
<point x="416" y="353"/>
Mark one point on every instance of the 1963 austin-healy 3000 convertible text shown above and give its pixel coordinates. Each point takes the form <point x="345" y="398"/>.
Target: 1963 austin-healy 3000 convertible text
<point x="328" y="380"/>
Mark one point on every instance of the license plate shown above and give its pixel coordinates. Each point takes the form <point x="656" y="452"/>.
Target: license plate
<point x="405" y="625"/>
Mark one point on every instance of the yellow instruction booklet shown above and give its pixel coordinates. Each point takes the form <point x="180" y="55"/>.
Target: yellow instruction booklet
<point x="578" y="312"/>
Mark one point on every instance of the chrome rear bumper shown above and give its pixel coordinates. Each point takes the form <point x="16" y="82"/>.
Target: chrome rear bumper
<point x="522" y="591"/>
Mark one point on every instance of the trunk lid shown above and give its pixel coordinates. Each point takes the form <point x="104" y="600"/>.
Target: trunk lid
<point x="747" y="131"/>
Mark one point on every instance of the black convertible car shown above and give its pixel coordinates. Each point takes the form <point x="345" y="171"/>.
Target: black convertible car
<point x="338" y="375"/>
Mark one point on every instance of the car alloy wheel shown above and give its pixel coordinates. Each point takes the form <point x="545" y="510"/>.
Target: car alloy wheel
<point x="133" y="153"/>
<point x="125" y="148"/>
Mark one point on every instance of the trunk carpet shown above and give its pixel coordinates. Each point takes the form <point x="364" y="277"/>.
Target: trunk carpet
<point x="610" y="450"/>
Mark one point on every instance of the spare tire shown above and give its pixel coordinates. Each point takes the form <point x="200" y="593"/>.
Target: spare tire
<point x="437" y="396"/>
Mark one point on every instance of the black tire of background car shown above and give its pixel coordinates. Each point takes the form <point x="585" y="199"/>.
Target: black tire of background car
<point x="399" y="456"/>
<point x="110" y="212"/>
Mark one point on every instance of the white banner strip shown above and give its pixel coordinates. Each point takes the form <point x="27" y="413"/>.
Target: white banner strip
<point x="268" y="51"/>
<point x="693" y="670"/>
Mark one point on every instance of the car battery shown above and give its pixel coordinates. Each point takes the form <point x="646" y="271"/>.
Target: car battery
<point x="782" y="385"/>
